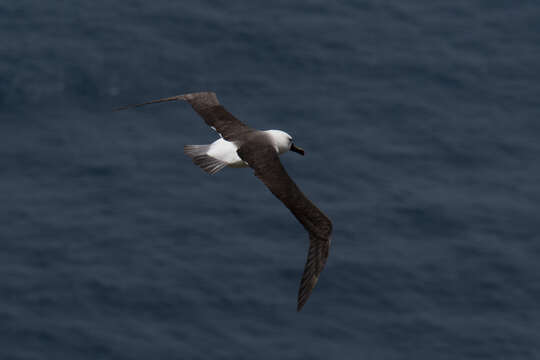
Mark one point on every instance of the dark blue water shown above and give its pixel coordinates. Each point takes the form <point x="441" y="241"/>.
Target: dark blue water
<point x="420" y="121"/>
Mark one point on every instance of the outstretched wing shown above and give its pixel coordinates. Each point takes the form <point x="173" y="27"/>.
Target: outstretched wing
<point x="268" y="168"/>
<point x="208" y="107"/>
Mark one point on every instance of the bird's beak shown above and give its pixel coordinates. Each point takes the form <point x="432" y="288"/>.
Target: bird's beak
<point x="297" y="149"/>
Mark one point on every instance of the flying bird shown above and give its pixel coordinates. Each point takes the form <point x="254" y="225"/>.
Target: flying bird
<point x="241" y="146"/>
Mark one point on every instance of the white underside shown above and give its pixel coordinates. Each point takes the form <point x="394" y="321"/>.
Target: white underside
<point x="225" y="151"/>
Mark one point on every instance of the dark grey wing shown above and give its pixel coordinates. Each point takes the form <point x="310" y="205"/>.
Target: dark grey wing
<point x="216" y="116"/>
<point x="208" y="107"/>
<point x="268" y="168"/>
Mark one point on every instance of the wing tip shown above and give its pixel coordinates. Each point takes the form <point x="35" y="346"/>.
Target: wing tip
<point x="156" y="101"/>
<point x="306" y="288"/>
<point x="300" y="304"/>
<point x="206" y="97"/>
<point x="315" y="264"/>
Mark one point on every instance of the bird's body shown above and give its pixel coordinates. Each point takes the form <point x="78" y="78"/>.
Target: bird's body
<point x="242" y="146"/>
<point x="226" y="152"/>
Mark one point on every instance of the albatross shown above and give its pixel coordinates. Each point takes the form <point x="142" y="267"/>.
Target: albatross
<point x="241" y="146"/>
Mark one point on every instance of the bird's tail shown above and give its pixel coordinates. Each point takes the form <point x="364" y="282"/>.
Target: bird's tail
<point x="199" y="155"/>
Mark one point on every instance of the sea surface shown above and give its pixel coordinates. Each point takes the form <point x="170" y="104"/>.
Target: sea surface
<point x="421" y="125"/>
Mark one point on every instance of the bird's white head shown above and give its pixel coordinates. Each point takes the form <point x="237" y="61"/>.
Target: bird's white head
<point x="283" y="142"/>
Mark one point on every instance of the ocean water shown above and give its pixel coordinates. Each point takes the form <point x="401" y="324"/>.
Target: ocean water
<point x="421" y="125"/>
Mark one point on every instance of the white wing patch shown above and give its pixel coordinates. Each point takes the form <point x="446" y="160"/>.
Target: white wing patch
<point x="225" y="151"/>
